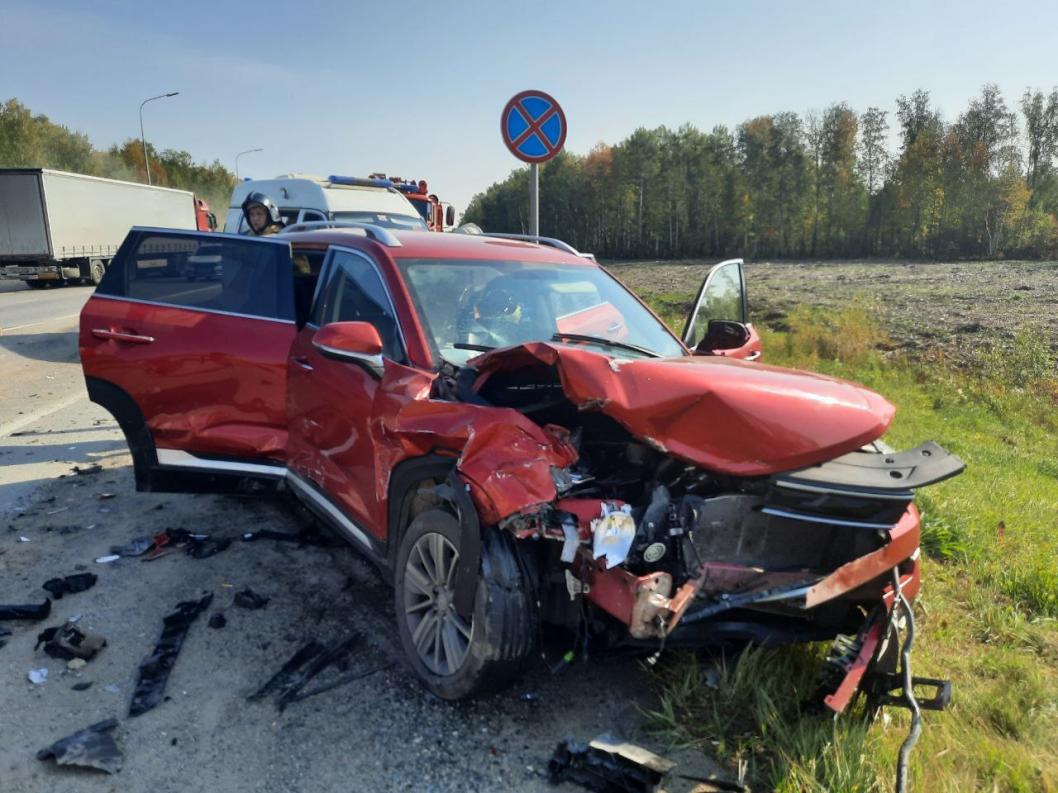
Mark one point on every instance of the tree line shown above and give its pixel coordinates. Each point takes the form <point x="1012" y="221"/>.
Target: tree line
<point x="34" y="141"/>
<point x="825" y="184"/>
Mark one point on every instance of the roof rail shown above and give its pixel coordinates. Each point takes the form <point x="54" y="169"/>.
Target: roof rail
<point x="379" y="234"/>
<point x="551" y="242"/>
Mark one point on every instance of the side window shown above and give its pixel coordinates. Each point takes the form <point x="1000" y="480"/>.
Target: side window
<point x="354" y="293"/>
<point x="721" y="298"/>
<point x="311" y="215"/>
<point x="252" y="277"/>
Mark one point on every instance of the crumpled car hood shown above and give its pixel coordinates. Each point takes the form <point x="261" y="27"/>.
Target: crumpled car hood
<point x="727" y="416"/>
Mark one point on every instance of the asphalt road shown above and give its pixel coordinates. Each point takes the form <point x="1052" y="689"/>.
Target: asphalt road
<point x="381" y="732"/>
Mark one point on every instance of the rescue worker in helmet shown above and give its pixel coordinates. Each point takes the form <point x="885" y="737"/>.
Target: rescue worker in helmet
<point x="262" y="216"/>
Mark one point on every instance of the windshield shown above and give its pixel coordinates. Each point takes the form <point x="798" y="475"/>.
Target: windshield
<point x="470" y="306"/>
<point x="389" y="221"/>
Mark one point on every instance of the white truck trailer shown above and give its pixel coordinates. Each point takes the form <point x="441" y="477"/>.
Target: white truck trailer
<point x="58" y="227"/>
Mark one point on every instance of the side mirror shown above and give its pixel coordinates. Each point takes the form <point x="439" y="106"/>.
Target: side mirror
<point x="450" y="215"/>
<point x="722" y="334"/>
<point x="356" y="342"/>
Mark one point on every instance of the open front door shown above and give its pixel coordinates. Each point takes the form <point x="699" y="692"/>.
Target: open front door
<point x="718" y="322"/>
<point x="186" y="342"/>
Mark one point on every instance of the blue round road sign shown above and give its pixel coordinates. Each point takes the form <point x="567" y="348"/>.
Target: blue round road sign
<point x="533" y="126"/>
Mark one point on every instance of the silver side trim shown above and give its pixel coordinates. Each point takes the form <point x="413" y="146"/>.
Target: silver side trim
<point x="324" y="503"/>
<point x="182" y="459"/>
<point x="855" y="524"/>
<point x="193" y="308"/>
<point x="550" y="242"/>
<point x="901" y="495"/>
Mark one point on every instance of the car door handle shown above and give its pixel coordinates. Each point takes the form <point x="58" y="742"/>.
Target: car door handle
<point x="117" y="335"/>
<point x="753" y="356"/>
<point x="303" y="362"/>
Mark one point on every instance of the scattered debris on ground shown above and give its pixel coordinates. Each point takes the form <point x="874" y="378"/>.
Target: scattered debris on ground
<point x="108" y="559"/>
<point x="288" y="683"/>
<point x="94" y="468"/>
<point x="248" y="599"/>
<point x="68" y="642"/>
<point x="4" y="633"/>
<point x="607" y="764"/>
<point x="92" y="747"/>
<point x="155" y="669"/>
<point x="69" y="585"/>
<point x="309" y="535"/>
<point x="26" y="611"/>
<point x="37" y="676"/>
<point x="82" y="686"/>
<point x="217" y="619"/>
<point x="137" y="546"/>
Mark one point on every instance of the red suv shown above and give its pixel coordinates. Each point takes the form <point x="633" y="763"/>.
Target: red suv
<point x="516" y="440"/>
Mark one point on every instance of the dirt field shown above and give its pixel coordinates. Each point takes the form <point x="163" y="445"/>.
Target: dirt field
<point x="961" y="305"/>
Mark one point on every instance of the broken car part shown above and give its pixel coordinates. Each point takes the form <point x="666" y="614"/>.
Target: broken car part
<point x="92" y="747"/>
<point x="78" y="582"/>
<point x="154" y="670"/>
<point x="67" y="642"/>
<point x="137" y="546"/>
<point x="27" y="611"/>
<point x="608" y="766"/>
<point x="4" y="634"/>
<point x="217" y="620"/>
<point x="37" y="676"/>
<point x="248" y="599"/>
<point x="306" y="663"/>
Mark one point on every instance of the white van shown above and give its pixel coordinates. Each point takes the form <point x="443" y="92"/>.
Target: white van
<point x="303" y="198"/>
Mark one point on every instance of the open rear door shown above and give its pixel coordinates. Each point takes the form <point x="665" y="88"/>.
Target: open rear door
<point x="186" y="342"/>
<point x="722" y="298"/>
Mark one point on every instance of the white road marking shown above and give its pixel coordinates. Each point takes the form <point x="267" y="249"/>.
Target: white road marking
<point x="32" y="418"/>
<point x="35" y="324"/>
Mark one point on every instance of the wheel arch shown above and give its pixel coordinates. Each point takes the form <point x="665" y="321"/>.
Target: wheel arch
<point x="444" y="489"/>
<point x="120" y="404"/>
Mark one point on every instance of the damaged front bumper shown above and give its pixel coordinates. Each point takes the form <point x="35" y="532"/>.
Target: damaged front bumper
<point x="760" y="566"/>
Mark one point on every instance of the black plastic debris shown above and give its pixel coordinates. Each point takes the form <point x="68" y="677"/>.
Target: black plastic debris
<point x="203" y="549"/>
<point x="69" y="585"/>
<point x="608" y="766"/>
<point x="155" y="669"/>
<point x="289" y="682"/>
<point x="217" y="620"/>
<point x="248" y="599"/>
<point x="68" y="641"/>
<point x="27" y="611"/>
<point x="4" y="633"/>
<point x="94" y="468"/>
<point x="92" y="747"/>
<point x="310" y="535"/>
<point x="84" y="686"/>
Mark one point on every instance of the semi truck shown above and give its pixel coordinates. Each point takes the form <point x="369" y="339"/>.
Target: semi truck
<point x="58" y="227"/>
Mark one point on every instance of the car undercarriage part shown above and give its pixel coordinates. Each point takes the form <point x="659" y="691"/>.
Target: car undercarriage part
<point x="68" y="585"/>
<point x="154" y="670"/>
<point x="92" y="747"/>
<point x="909" y="687"/>
<point x="288" y="683"/>
<point x="26" y="611"/>
<point x="608" y="765"/>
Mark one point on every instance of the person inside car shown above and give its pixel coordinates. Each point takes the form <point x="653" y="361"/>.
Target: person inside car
<point x="262" y="216"/>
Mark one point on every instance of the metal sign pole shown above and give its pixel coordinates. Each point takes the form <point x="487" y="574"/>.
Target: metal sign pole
<point x="534" y="199"/>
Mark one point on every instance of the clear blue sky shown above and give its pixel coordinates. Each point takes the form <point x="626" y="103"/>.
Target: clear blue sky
<point x="416" y="88"/>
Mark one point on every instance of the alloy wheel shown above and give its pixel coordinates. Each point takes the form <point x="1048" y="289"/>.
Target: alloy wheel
<point x="440" y="636"/>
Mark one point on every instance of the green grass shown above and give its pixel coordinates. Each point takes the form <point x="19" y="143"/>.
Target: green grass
<point x="988" y="612"/>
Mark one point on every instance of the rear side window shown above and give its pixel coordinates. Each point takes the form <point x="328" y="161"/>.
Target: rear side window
<point x="251" y="277"/>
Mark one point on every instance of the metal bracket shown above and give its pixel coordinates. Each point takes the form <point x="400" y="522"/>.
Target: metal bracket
<point x="880" y="690"/>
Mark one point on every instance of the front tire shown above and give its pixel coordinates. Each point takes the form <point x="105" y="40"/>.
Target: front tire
<point x="455" y="659"/>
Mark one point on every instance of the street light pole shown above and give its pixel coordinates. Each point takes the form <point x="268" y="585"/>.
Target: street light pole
<point x="240" y="154"/>
<point x="143" y="140"/>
